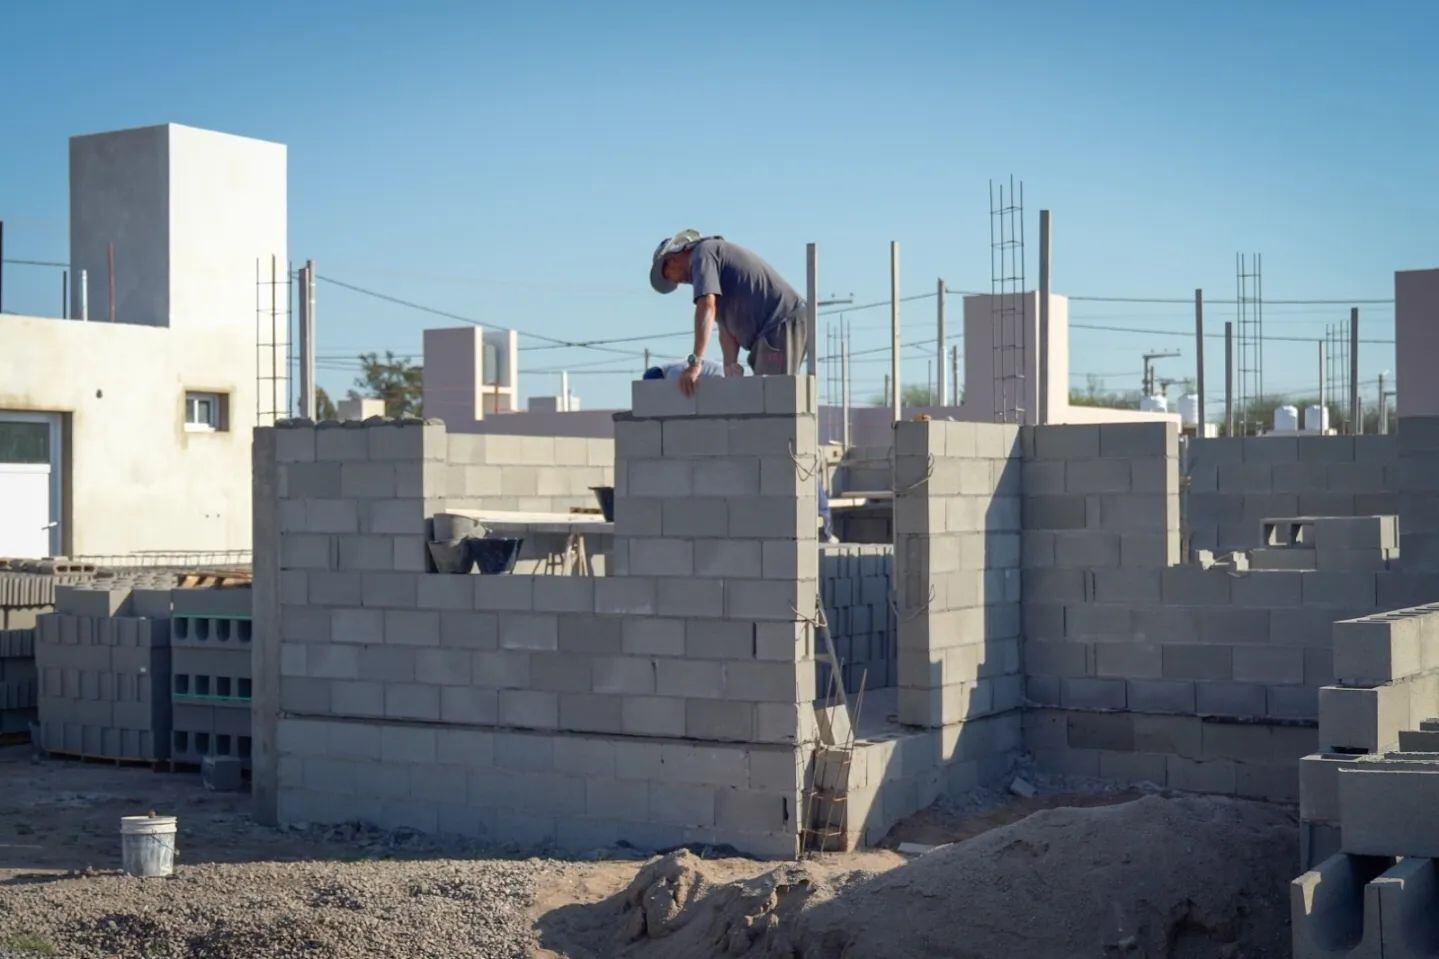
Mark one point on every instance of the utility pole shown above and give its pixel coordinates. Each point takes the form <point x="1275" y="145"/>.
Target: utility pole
<point x="1383" y="407"/>
<point x="647" y="359"/>
<point x="1354" y="417"/>
<point x="1323" y="400"/>
<point x="811" y="251"/>
<point x="1199" y="357"/>
<point x="896" y="396"/>
<point x="84" y="295"/>
<point x="844" y="387"/>
<point x="307" y="340"/>
<point x="954" y="371"/>
<point x="1041" y="415"/>
<point x="64" y="294"/>
<point x="942" y="390"/>
<point x="1148" y="382"/>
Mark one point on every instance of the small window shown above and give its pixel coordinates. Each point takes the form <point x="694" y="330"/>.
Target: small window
<point x="205" y="412"/>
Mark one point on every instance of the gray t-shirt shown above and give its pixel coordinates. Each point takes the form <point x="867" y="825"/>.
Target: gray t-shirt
<point x="708" y="368"/>
<point x="751" y="298"/>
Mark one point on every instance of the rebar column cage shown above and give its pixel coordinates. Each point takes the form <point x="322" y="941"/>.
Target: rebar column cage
<point x="1008" y="305"/>
<point x="272" y="341"/>
<point x="1336" y="374"/>
<point x="1249" y="304"/>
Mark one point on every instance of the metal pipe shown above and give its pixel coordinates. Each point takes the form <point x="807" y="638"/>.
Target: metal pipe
<point x="1042" y="413"/>
<point x="954" y="371"/>
<point x="1199" y="357"/>
<point x="1354" y="417"/>
<point x="64" y="294"/>
<point x="942" y="397"/>
<point x="85" y="296"/>
<point x="307" y="340"/>
<point x="896" y="397"/>
<point x="811" y="310"/>
<point x="1322" y="405"/>
<point x="1228" y="378"/>
<point x="1383" y="408"/>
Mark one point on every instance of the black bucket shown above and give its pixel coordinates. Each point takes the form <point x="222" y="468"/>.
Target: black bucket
<point x="492" y="556"/>
<point x="606" y="497"/>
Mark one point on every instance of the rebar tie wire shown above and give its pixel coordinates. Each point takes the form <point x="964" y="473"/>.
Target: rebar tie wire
<point x="910" y="617"/>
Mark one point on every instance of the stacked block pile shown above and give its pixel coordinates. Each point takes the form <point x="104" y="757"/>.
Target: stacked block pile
<point x="855" y="588"/>
<point x="17" y="680"/>
<point x="1328" y="543"/>
<point x="864" y="469"/>
<point x="210" y="674"/>
<point x="1386" y="667"/>
<point x="103" y="659"/>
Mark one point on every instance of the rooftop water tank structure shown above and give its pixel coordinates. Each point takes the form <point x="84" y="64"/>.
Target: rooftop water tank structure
<point x="1189" y="409"/>
<point x="1154" y="404"/>
<point x="1286" y="419"/>
<point x="1316" y="418"/>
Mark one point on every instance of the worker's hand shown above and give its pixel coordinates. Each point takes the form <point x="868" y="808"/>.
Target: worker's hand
<point x="689" y="380"/>
<point x="733" y="369"/>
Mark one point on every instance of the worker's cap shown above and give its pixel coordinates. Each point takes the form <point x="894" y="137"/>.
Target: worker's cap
<point x="678" y="243"/>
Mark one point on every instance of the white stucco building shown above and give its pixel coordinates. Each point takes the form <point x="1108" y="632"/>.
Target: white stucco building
<point x="135" y="434"/>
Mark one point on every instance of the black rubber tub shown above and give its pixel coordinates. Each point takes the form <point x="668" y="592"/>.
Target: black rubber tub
<point x="493" y="556"/>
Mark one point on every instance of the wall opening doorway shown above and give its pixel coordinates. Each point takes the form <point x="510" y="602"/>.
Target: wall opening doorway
<point x="30" y="484"/>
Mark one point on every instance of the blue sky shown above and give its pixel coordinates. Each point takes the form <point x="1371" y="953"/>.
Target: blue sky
<point x="517" y="163"/>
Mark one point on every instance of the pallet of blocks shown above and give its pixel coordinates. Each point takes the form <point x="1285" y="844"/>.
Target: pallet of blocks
<point x="210" y="686"/>
<point x="855" y="588"/>
<point x="103" y="664"/>
<point x="17" y="682"/>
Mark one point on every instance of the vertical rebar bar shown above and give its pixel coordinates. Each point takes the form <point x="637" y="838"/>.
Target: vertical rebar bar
<point x="1199" y="361"/>
<point x="1041" y="413"/>
<point x="1228" y="378"/>
<point x="274" y="339"/>
<point x="894" y="341"/>
<point x="1355" y="419"/>
<point x="942" y="392"/>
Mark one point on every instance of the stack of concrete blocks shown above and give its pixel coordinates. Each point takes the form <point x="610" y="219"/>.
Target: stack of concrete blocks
<point x="103" y="659"/>
<point x="210" y="674"/>
<point x="855" y="589"/>
<point x="666" y="704"/>
<point x="1232" y="483"/>
<point x="1386" y="670"/>
<point x="957" y="599"/>
<point x="17" y="680"/>
<point x="23" y="596"/>
<point x="864" y="469"/>
<point x="1141" y="670"/>
<point x="1327" y="543"/>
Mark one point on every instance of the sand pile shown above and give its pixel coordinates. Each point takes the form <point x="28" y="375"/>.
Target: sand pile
<point x="1184" y="878"/>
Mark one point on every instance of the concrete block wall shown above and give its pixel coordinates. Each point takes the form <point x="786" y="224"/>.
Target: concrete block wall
<point x="667" y="703"/>
<point x="957" y="570"/>
<point x="855" y="583"/>
<point x="1232" y="483"/>
<point x="548" y="474"/>
<point x="1139" y="669"/>
<point x="103" y="674"/>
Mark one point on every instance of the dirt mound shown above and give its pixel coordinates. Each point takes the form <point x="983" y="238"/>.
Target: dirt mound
<point x="1187" y="878"/>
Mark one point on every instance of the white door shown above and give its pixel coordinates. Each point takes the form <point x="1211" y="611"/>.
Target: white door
<point x="29" y="484"/>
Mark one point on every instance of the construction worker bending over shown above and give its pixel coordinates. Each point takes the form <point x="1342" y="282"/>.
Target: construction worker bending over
<point x="733" y="288"/>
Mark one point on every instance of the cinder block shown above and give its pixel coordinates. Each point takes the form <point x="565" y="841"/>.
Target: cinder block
<point x="1379" y="649"/>
<point x="690" y="678"/>
<point x="412" y="701"/>
<point x="1160" y="695"/>
<point x="1197" y="662"/>
<point x="1273" y="665"/>
<point x="1267" y="589"/>
<point x="1088" y="693"/>
<point x="1114" y="731"/>
<point x="405" y="627"/>
<point x="1128" y="767"/>
<point x="727" y="558"/>
<point x="587" y="712"/>
<point x="468" y="630"/>
<point x="564" y="594"/>
<point x="1067" y="442"/>
<point x="345" y="626"/>
<point x="530" y="631"/>
<point x="653" y="636"/>
<point x="1097" y="476"/>
<point x="629" y="595"/>
<point x="398" y="590"/>
<point x="1341" y="589"/>
<point x="1193" y="586"/>
<point x="1128" y="660"/>
<point x="1240" y="700"/>
<point x="731" y="396"/>
<point x="1389" y="812"/>
<point x="527" y="708"/>
<point x="719" y="720"/>
<point x="501" y="593"/>
<point x="502" y="669"/>
<point x="445" y="591"/>
<point x="1364" y="720"/>
<point x="357" y="698"/>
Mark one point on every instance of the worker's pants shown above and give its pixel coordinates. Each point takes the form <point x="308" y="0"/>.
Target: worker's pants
<point x="778" y="352"/>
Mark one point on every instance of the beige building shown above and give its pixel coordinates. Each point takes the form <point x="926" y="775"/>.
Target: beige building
<point x="127" y="426"/>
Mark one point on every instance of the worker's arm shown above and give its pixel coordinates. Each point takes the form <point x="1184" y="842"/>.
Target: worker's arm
<point x="729" y="346"/>
<point x="704" y="325"/>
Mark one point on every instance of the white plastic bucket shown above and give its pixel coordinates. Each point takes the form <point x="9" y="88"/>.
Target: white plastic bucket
<point x="147" y="845"/>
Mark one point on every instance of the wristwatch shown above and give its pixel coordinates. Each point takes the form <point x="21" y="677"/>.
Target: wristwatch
<point x="692" y="361"/>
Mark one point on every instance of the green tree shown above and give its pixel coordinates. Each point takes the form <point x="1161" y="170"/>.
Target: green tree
<point x="393" y="379"/>
<point x="1094" y="394"/>
<point x="914" y="395"/>
<point x="324" y="406"/>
